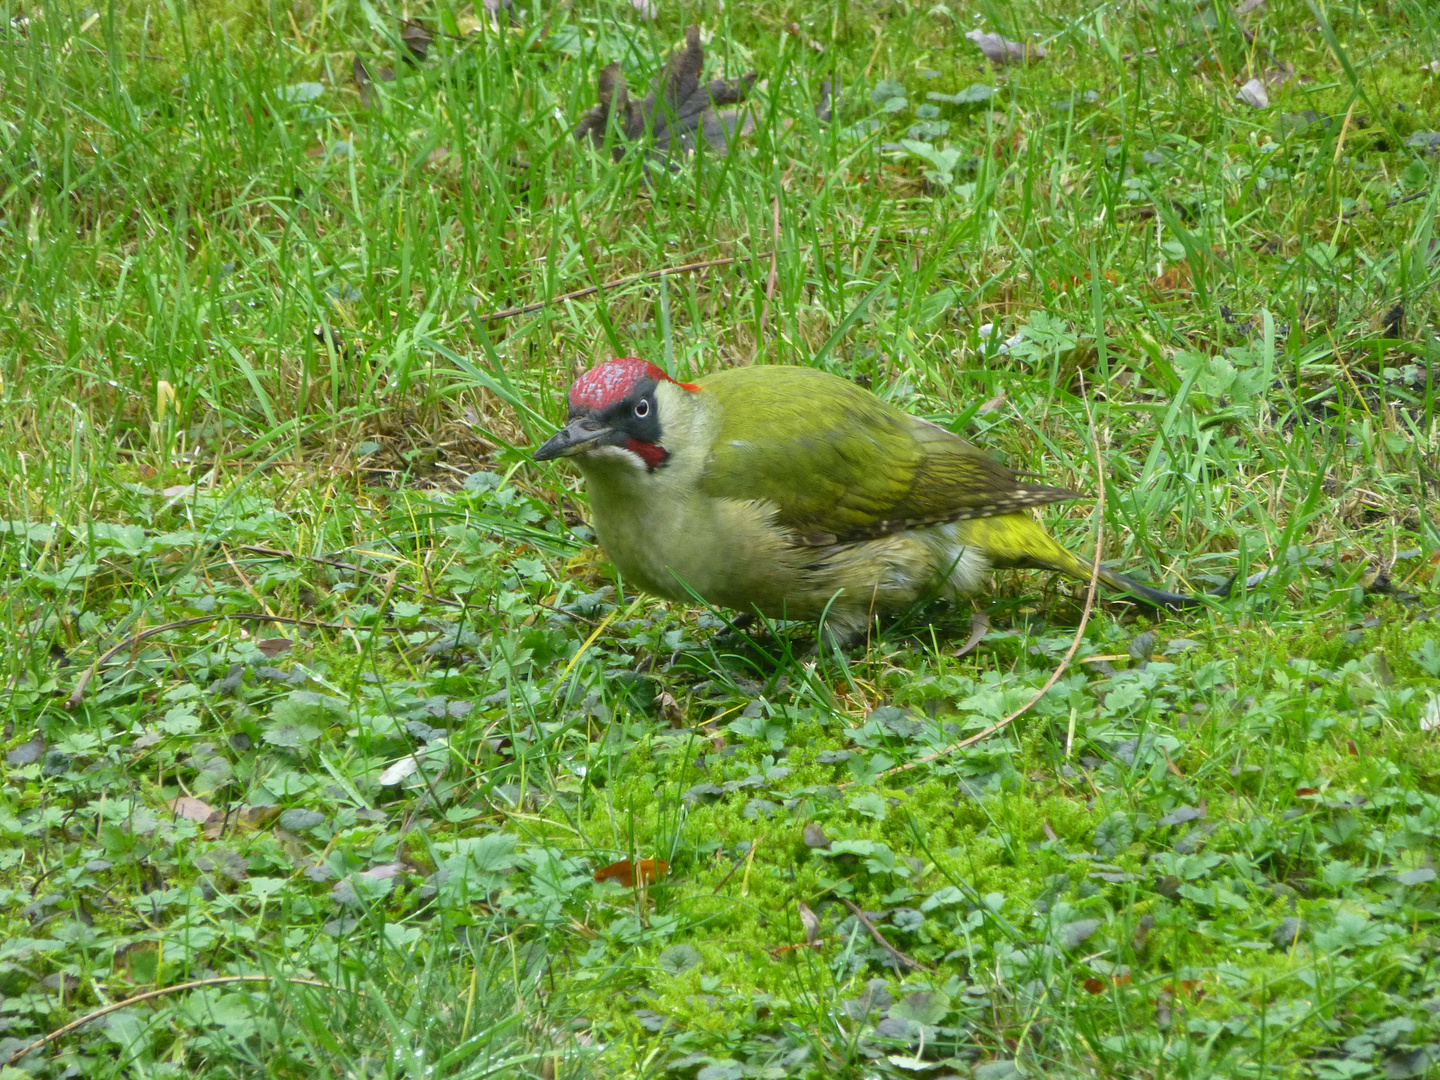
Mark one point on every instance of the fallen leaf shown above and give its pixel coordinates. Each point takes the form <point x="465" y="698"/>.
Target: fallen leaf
<point x="1001" y="50"/>
<point x="1430" y="715"/>
<point x="1253" y="94"/>
<point x="1392" y="325"/>
<point x="1301" y="793"/>
<point x="979" y="621"/>
<point x="991" y="405"/>
<point x="1191" y="988"/>
<point x="814" y="836"/>
<point x="810" y="921"/>
<point x="1248" y="6"/>
<point x="1142" y="931"/>
<point x="669" y="709"/>
<point x="273" y="647"/>
<point x="646" y="871"/>
<point x="245" y="819"/>
<point x="416" y="37"/>
<point x="331" y="341"/>
<point x="678" y="106"/>
<point x="189" y="808"/>
<point x="1174" y="280"/>
<point x="363" y="80"/>
<point x="1180" y="815"/>
<point x="403" y="768"/>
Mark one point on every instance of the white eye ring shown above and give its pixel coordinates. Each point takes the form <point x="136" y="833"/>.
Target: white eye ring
<point x="642" y="408"/>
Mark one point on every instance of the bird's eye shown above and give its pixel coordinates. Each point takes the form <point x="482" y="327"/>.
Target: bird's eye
<point x="642" y="408"/>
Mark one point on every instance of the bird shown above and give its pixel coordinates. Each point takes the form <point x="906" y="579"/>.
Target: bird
<point x="795" y="493"/>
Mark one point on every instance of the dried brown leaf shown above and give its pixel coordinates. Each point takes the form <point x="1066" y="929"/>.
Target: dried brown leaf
<point x="416" y="37"/>
<point x="363" y="80"/>
<point x="189" y="808"/>
<point x="678" y="106"/>
<point x="669" y="709"/>
<point x="810" y="921"/>
<point x="245" y="819"/>
<point x="979" y="622"/>
<point x="645" y="871"/>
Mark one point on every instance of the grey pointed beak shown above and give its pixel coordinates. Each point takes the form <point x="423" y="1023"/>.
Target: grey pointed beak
<point x="574" y="438"/>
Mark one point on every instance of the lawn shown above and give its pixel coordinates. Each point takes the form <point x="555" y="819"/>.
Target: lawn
<point x="328" y="728"/>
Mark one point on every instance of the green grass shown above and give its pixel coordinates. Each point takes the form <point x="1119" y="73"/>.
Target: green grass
<point x="420" y="791"/>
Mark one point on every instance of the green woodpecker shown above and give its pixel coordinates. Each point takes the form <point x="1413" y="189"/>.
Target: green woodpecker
<point x="796" y="493"/>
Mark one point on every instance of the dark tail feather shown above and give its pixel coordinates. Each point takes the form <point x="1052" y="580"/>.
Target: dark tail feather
<point x="1158" y="598"/>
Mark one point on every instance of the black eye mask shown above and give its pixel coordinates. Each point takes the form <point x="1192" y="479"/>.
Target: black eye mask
<point x="637" y="417"/>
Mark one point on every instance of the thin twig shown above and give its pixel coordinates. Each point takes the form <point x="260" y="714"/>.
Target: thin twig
<point x="78" y="694"/>
<point x="728" y="875"/>
<point x="900" y="957"/>
<point x="220" y="980"/>
<point x="1079" y="630"/>
<point x="774" y="268"/>
<point x="280" y="553"/>
<point x="590" y="290"/>
<point x="1412" y="197"/>
<point x="648" y="275"/>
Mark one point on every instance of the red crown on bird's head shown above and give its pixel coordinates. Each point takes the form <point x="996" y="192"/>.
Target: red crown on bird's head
<point x="610" y="382"/>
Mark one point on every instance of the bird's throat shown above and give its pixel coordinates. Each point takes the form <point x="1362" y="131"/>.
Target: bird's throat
<point x="653" y="454"/>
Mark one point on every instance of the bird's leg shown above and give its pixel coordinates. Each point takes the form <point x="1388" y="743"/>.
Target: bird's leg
<point x="735" y="634"/>
<point x="842" y="635"/>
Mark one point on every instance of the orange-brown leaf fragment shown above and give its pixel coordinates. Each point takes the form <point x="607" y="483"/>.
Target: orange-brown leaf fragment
<point x="1191" y="988"/>
<point x="1174" y="280"/>
<point x="627" y="873"/>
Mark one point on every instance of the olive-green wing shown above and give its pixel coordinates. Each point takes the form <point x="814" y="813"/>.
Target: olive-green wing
<point x="841" y="465"/>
